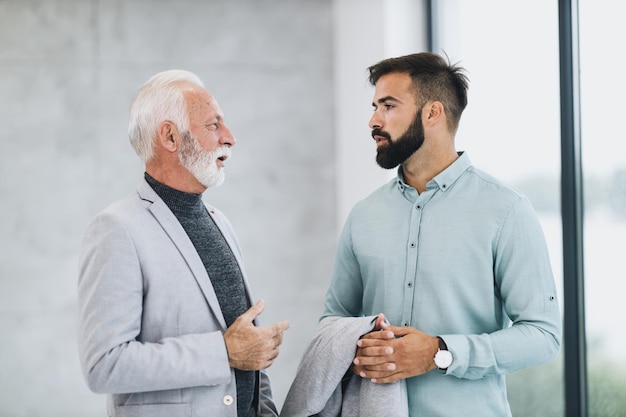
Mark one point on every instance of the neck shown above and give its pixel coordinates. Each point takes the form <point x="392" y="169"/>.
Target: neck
<point x="424" y="165"/>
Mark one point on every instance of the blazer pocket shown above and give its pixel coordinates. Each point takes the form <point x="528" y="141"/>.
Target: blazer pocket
<point x="153" y="410"/>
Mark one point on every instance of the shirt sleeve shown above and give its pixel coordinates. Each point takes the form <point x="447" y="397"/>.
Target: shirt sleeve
<point x="345" y="293"/>
<point x="524" y="280"/>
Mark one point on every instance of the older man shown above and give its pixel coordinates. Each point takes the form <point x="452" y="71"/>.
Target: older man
<point x="167" y="326"/>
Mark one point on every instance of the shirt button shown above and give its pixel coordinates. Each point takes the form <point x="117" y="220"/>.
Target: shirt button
<point x="228" y="400"/>
<point x="410" y="284"/>
<point x="412" y="244"/>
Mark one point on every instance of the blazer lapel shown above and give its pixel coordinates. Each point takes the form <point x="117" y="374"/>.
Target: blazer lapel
<point x="175" y="231"/>
<point x="229" y="235"/>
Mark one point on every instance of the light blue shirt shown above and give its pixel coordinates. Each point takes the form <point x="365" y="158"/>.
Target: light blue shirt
<point x="466" y="260"/>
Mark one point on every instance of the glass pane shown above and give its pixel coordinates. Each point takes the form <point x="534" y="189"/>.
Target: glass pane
<point x="511" y="129"/>
<point x="602" y="32"/>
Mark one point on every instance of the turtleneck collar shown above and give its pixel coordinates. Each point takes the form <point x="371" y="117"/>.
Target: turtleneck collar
<point x="178" y="201"/>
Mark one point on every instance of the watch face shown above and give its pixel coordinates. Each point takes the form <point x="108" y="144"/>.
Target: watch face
<point x="443" y="359"/>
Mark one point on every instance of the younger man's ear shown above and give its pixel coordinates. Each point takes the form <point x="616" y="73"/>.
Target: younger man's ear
<point x="435" y="110"/>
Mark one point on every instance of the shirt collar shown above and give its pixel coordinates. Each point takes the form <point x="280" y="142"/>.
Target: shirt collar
<point x="444" y="179"/>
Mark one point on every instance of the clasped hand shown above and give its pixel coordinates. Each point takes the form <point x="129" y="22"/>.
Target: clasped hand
<point x="252" y="348"/>
<point x="390" y="353"/>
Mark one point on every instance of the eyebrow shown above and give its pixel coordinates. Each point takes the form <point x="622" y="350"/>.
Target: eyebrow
<point x="382" y="100"/>
<point x="217" y="117"/>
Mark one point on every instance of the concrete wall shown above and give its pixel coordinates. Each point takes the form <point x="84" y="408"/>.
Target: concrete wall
<point x="68" y="69"/>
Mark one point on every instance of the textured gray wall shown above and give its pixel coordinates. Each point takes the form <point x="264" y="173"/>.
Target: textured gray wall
<point x="68" y="69"/>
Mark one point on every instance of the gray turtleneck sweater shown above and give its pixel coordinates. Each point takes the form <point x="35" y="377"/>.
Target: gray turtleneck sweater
<point x="222" y="267"/>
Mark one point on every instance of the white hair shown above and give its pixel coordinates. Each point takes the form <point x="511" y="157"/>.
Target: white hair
<point x="160" y="98"/>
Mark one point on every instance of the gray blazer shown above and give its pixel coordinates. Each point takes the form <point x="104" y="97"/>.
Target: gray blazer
<point x="325" y="386"/>
<point x="150" y="328"/>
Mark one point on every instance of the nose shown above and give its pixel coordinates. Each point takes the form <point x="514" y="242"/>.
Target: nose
<point x="375" y="122"/>
<point x="227" y="138"/>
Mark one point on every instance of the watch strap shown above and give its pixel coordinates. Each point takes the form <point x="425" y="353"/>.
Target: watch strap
<point x="443" y="357"/>
<point x="442" y="344"/>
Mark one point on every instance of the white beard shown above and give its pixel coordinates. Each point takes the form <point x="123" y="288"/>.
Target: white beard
<point x="200" y="163"/>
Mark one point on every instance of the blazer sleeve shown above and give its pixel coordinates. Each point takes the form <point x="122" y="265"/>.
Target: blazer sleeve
<point x="111" y="290"/>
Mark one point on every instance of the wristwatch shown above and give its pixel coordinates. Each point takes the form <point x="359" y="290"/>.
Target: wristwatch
<point x="443" y="357"/>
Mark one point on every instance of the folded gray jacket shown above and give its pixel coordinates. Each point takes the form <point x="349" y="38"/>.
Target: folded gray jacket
<point x="323" y="385"/>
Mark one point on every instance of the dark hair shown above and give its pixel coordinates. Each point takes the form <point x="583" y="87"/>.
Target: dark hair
<point x="434" y="78"/>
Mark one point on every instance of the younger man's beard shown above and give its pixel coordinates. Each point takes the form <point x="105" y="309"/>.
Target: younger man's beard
<point x="395" y="153"/>
<point x="202" y="164"/>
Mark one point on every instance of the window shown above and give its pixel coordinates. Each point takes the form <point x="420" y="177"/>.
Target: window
<point x="604" y="186"/>
<point x="511" y="129"/>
